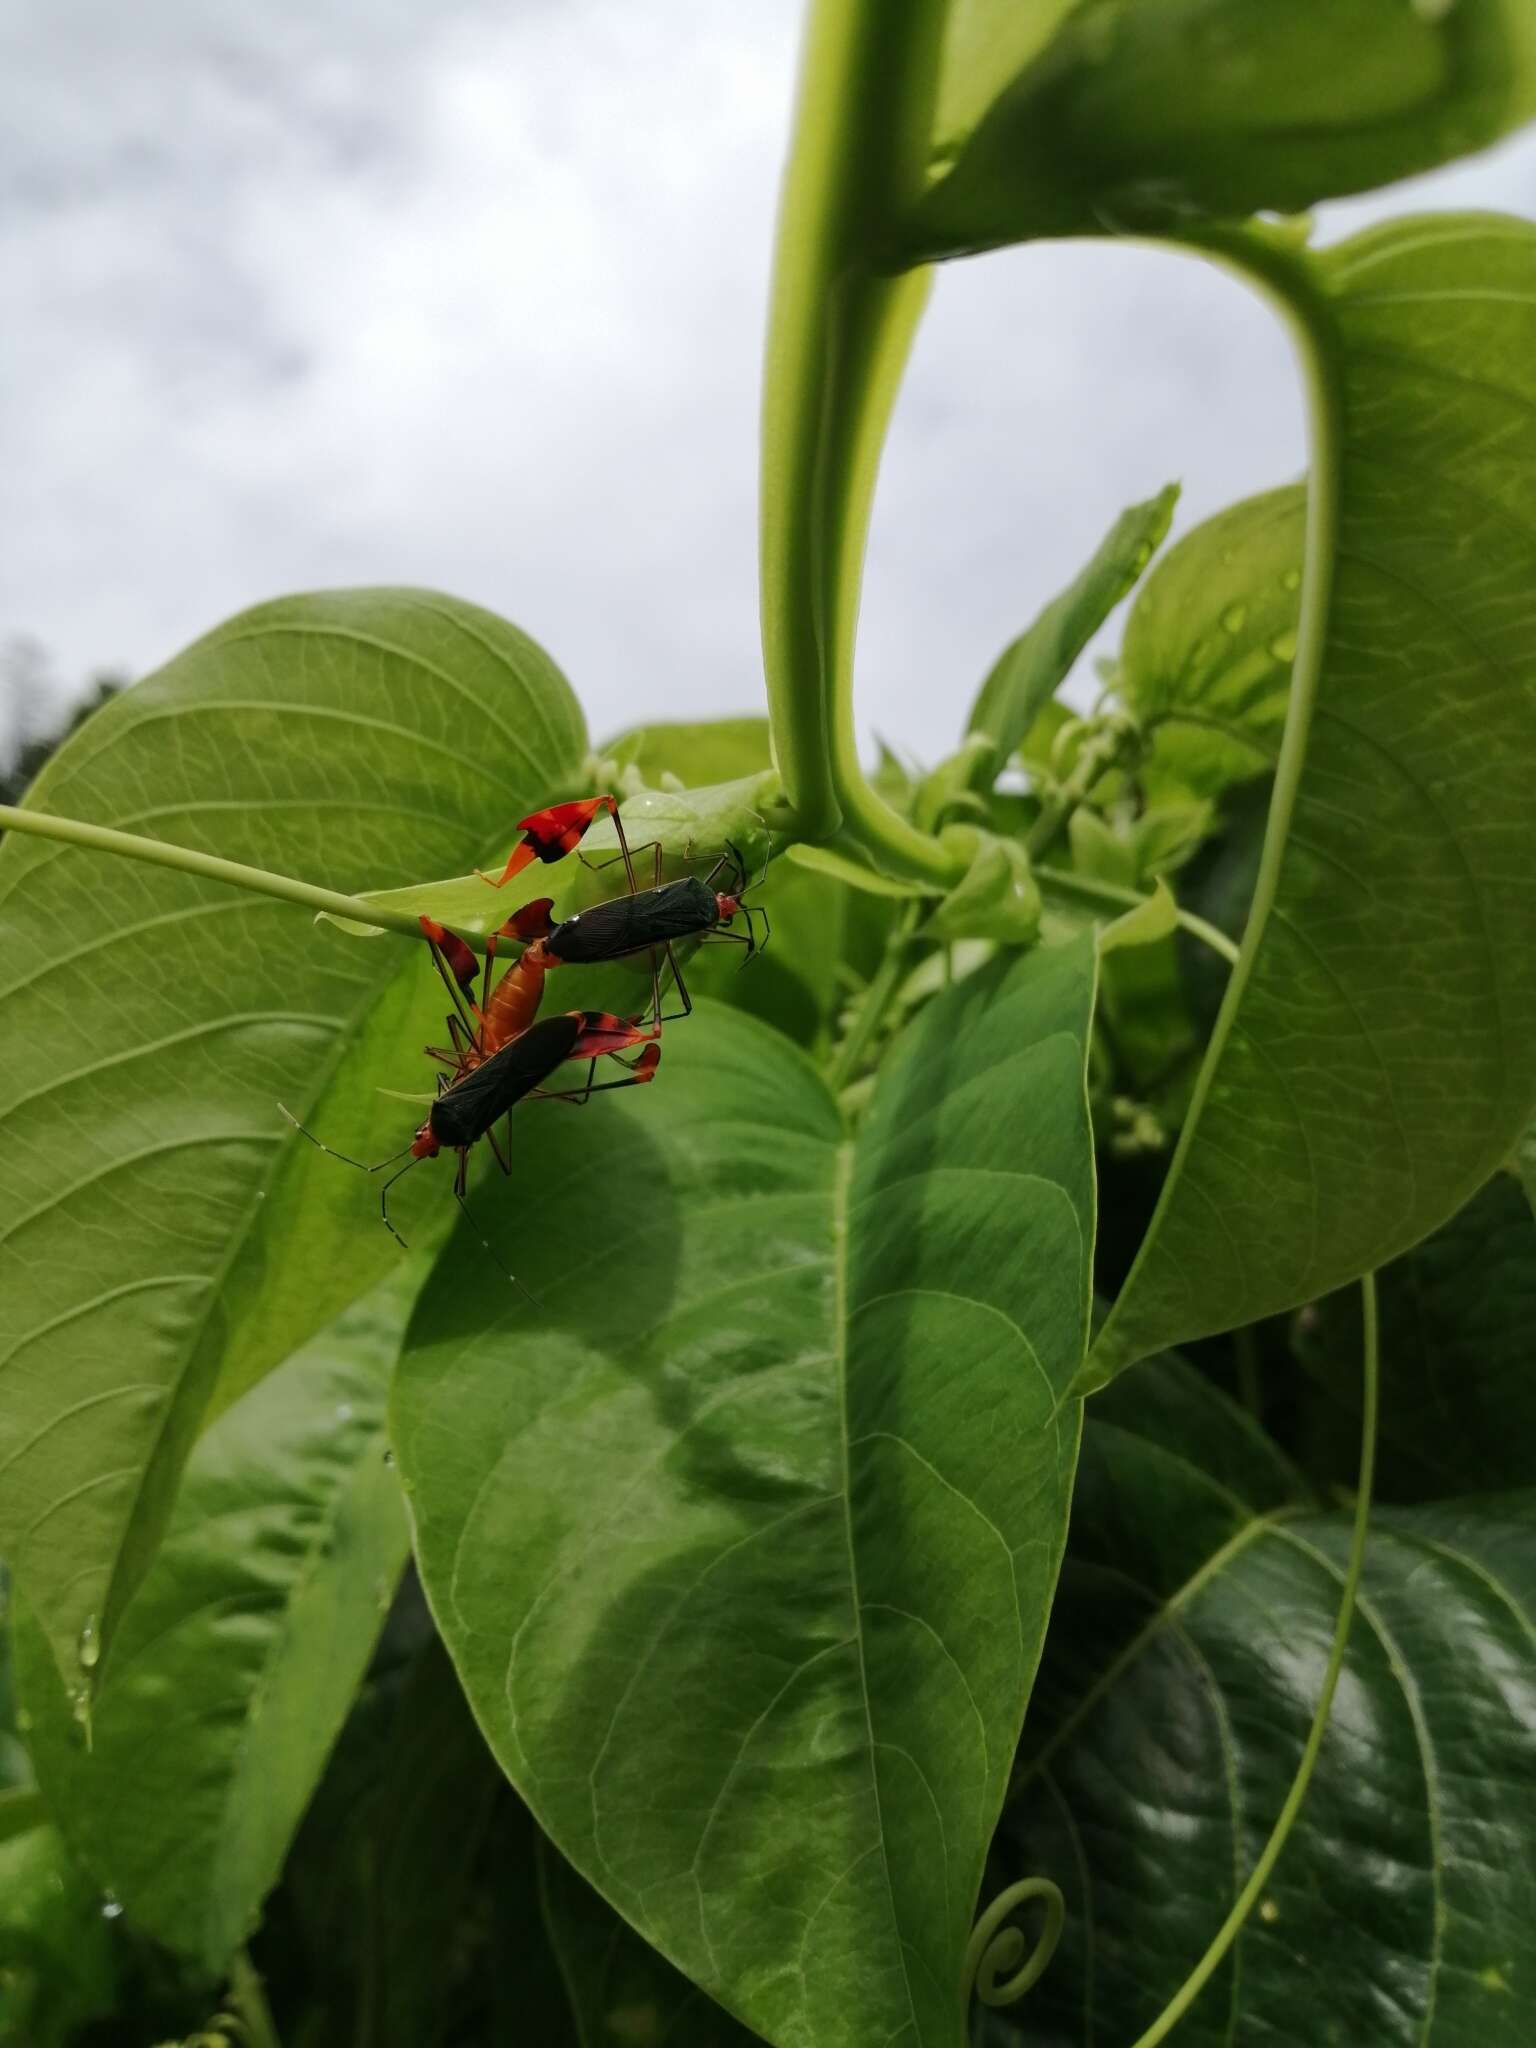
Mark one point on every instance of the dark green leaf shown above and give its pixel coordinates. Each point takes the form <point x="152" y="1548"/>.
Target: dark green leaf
<point x="15" y="1770"/>
<point x="385" y="1920"/>
<point x="1458" y="1355"/>
<point x="1028" y="673"/>
<point x="241" y="1650"/>
<point x="623" y="1993"/>
<point x="1144" y="112"/>
<point x="1525" y="1164"/>
<point x="743" y="1543"/>
<point x="1375" y="1059"/>
<point x="56" y="1968"/>
<point x="1182" y="1669"/>
<point x="160" y="1225"/>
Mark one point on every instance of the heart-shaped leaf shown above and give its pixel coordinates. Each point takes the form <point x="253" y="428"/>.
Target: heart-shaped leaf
<point x="240" y="1652"/>
<point x="1375" y="1058"/>
<point x="160" y="1225"/>
<point x="1184" y="1661"/>
<point x="743" y="1543"/>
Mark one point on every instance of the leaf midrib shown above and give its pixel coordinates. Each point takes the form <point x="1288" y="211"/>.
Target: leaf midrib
<point x="842" y="1180"/>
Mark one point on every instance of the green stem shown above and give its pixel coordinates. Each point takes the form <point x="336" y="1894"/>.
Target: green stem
<point x="873" y="1005"/>
<point x="160" y="853"/>
<point x="245" y="1989"/>
<point x="1110" y="896"/>
<point x="838" y="336"/>
<point x="1260" y="1875"/>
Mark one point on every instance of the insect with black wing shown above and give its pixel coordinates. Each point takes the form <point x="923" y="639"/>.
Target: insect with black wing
<point x="471" y="1105"/>
<point x="645" y="920"/>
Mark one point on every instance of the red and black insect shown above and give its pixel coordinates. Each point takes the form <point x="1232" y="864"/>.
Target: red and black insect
<point x="479" y="1028"/>
<point x="647" y="920"/>
<point x="470" y="1106"/>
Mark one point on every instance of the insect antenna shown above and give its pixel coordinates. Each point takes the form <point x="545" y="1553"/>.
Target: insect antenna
<point x="345" y="1158"/>
<point x="384" y="1197"/>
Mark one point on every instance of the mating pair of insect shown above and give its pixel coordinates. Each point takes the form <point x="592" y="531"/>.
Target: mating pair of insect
<point x="499" y="1051"/>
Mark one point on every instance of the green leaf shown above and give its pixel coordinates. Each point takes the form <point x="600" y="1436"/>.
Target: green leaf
<point x="160" y="1225"/>
<point x="1028" y="673"/>
<point x="1150" y="112"/>
<point x="1218" y="886"/>
<point x="1206" y="661"/>
<point x="56" y="1970"/>
<point x="711" y="750"/>
<point x="842" y="867"/>
<point x="1156" y="918"/>
<point x="15" y="1770"/>
<point x="1375" y="1057"/>
<point x="1183" y="1665"/>
<point x="996" y="898"/>
<point x="239" y="1654"/>
<point x="624" y="1995"/>
<point x="385" y="1893"/>
<point x="1458" y="1343"/>
<point x="1525" y="1163"/>
<point x="744" y="1553"/>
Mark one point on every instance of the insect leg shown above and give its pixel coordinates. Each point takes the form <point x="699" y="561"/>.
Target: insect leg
<point x="627" y="855"/>
<point x="645" y="1067"/>
<point x="681" y="987"/>
<point x="486" y="1243"/>
<point x="451" y="981"/>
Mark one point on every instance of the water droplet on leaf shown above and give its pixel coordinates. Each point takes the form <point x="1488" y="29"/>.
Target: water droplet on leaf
<point x="1291" y="580"/>
<point x="111" y="1907"/>
<point x="89" y="1648"/>
<point x="1235" y="617"/>
<point x="343" y="1411"/>
<point x="1283" y="647"/>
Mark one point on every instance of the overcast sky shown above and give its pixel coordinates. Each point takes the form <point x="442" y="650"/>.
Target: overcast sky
<point x="324" y="292"/>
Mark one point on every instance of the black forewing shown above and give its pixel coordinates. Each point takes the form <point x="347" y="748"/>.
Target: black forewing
<point x="628" y="924"/>
<point x="469" y="1108"/>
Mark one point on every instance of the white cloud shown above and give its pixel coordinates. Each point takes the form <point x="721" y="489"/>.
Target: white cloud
<point x="474" y="297"/>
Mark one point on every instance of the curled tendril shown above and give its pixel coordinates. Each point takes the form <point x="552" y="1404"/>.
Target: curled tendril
<point x="995" y="1948"/>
